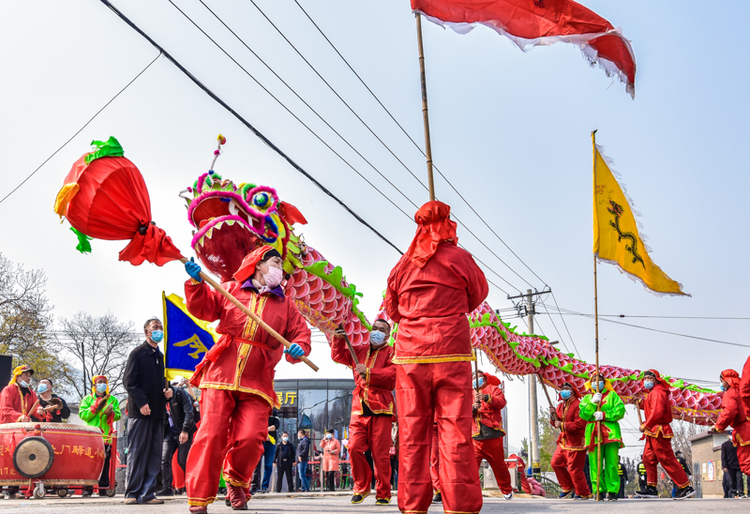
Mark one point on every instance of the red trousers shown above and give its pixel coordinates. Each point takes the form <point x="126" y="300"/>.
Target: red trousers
<point x="493" y="452"/>
<point x="371" y="433"/>
<point x="424" y="392"/>
<point x="743" y="456"/>
<point x="435" y="460"/>
<point x="231" y="435"/>
<point x="568" y="466"/>
<point x="658" y="450"/>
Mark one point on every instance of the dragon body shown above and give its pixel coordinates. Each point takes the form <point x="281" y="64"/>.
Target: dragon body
<point x="231" y="220"/>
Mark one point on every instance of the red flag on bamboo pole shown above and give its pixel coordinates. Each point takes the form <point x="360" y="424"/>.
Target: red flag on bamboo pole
<point x="541" y="22"/>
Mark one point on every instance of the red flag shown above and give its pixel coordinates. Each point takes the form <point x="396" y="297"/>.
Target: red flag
<point x="541" y="22"/>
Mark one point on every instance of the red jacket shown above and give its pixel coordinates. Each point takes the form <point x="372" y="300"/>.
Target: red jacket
<point x="14" y="405"/>
<point x="658" y="411"/>
<point x="745" y="387"/>
<point x="430" y="305"/>
<point x="490" y="412"/>
<point x="234" y="363"/>
<point x="733" y="414"/>
<point x="376" y="390"/>
<point x="573" y="427"/>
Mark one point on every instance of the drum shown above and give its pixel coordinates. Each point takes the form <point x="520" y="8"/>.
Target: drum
<point x="57" y="453"/>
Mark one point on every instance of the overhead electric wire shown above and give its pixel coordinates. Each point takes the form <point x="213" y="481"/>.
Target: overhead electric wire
<point x="248" y="125"/>
<point x="81" y="129"/>
<point x="555" y="326"/>
<point x="578" y="354"/>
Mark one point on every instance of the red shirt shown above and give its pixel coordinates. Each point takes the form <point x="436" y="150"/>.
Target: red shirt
<point x="14" y="405"/>
<point x="745" y="387"/>
<point x="430" y="305"/>
<point x="572" y="427"/>
<point x="242" y="366"/>
<point x="658" y="411"/>
<point x="376" y="389"/>
<point x="490" y="412"/>
<point x="733" y="414"/>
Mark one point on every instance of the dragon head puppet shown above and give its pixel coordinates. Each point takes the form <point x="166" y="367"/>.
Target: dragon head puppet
<point x="231" y="220"/>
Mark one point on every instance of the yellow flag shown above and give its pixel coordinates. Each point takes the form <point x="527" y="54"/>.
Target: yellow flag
<point x="616" y="238"/>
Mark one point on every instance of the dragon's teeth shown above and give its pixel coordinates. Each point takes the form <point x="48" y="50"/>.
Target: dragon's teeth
<point x="202" y="240"/>
<point x="210" y="232"/>
<point x="230" y="222"/>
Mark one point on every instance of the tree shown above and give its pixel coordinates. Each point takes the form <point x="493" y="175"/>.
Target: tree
<point x="547" y="440"/>
<point x="25" y="317"/>
<point x="99" y="346"/>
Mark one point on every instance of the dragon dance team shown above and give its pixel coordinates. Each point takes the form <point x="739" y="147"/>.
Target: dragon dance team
<point x="449" y="419"/>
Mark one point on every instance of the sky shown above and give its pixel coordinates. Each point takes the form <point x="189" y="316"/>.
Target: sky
<point x="510" y="130"/>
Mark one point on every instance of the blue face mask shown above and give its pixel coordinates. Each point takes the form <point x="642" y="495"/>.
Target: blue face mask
<point x="648" y="385"/>
<point x="157" y="336"/>
<point x="101" y="388"/>
<point x="600" y="386"/>
<point x="377" y="337"/>
<point x="724" y="388"/>
<point x="42" y="388"/>
<point x="478" y="385"/>
<point x="565" y="394"/>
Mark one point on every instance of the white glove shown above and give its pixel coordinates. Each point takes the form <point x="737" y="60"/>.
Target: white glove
<point x="598" y="415"/>
<point x="597" y="399"/>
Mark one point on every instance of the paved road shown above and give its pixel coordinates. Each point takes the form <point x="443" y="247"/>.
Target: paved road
<point x="272" y="504"/>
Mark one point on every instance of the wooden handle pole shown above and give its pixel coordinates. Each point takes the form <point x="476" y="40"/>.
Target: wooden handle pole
<point x="251" y="315"/>
<point x="33" y="408"/>
<point x="638" y="410"/>
<point x="351" y="349"/>
<point x="544" y="387"/>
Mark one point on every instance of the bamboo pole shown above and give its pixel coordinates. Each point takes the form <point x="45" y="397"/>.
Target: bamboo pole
<point x="251" y="315"/>
<point x="598" y="423"/>
<point x="351" y="348"/>
<point x="425" y="114"/>
<point x="638" y="410"/>
<point x="544" y="387"/>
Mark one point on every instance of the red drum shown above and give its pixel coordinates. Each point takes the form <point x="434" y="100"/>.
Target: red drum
<point x="55" y="453"/>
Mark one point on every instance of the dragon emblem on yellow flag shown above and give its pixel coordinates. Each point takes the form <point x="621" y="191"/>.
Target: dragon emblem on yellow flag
<point x="616" y="238"/>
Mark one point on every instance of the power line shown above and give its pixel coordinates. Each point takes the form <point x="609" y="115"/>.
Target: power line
<point x="80" y="129"/>
<point x="249" y="126"/>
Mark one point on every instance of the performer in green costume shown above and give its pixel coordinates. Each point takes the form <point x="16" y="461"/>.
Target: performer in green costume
<point x="603" y="407"/>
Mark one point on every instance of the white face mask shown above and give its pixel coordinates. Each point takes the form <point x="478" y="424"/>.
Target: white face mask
<point x="23" y="384"/>
<point x="329" y="436"/>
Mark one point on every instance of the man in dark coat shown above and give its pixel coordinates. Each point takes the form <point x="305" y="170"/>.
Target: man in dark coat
<point x="178" y="435"/>
<point x="147" y="401"/>
<point x="285" y="459"/>
<point x="731" y="467"/>
<point x="303" y="457"/>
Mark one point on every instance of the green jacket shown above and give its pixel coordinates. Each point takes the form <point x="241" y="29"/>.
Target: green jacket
<point x="614" y="410"/>
<point x="85" y="412"/>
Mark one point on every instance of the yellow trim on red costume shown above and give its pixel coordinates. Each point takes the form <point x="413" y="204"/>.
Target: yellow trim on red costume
<point x="434" y="359"/>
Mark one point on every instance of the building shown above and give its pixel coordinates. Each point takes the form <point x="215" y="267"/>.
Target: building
<point x="707" y="471"/>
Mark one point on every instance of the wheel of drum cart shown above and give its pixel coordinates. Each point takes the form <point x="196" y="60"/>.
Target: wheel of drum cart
<point x="39" y="491"/>
<point x="33" y="457"/>
<point x="62" y="493"/>
<point x="111" y="492"/>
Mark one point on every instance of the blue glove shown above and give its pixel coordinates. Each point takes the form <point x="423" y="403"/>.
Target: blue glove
<point x="295" y="351"/>
<point x="193" y="270"/>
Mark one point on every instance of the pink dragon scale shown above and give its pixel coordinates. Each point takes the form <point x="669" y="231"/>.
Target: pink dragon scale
<point x="231" y="220"/>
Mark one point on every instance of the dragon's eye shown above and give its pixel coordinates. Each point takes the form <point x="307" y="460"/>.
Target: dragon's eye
<point x="261" y="200"/>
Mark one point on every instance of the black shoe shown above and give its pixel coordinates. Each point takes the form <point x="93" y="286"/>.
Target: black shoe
<point x="648" y="492"/>
<point x="253" y="492"/>
<point x="685" y="492"/>
<point x="263" y="491"/>
<point x="359" y="498"/>
<point x="86" y="494"/>
<point x="438" y="498"/>
<point x="611" y="497"/>
<point x="167" y="491"/>
<point x="383" y="501"/>
<point x="565" y="494"/>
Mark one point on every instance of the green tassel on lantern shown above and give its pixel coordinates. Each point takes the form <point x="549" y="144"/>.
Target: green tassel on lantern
<point x="83" y="241"/>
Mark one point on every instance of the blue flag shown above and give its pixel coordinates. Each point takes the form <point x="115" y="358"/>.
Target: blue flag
<point x="186" y="338"/>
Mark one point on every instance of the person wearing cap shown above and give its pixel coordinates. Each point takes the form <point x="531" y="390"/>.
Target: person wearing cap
<point x="430" y="291"/>
<point x="603" y="409"/>
<point x="570" y="454"/>
<point x="236" y="374"/>
<point x="372" y="409"/>
<point x="733" y="414"/>
<point x="100" y="409"/>
<point x="55" y="408"/>
<point x="657" y="430"/>
<point x="178" y="434"/>
<point x="18" y="399"/>
<point x="488" y="433"/>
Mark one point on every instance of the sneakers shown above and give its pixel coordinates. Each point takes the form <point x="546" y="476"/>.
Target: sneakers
<point x="131" y="501"/>
<point x="359" y="498"/>
<point x="438" y="498"/>
<point x="565" y="494"/>
<point x="611" y="497"/>
<point x="685" y="492"/>
<point x="9" y="496"/>
<point x="649" y="492"/>
<point x="508" y="496"/>
<point x="383" y="501"/>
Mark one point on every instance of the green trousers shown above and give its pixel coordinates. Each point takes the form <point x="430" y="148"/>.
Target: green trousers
<point x="610" y="482"/>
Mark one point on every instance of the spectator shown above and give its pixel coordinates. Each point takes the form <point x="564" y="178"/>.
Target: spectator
<point x="330" y="465"/>
<point x="266" y="459"/>
<point x="303" y="456"/>
<point x="285" y="460"/>
<point x="147" y="400"/>
<point x="731" y="466"/>
<point x="100" y="409"/>
<point x="642" y="476"/>
<point x="178" y="435"/>
<point x="624" y="479"/>
<point x="55" y="408"/>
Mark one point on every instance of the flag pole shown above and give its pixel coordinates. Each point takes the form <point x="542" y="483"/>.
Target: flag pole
<point x="425" y="115"/>
<point x="596" y="346"/>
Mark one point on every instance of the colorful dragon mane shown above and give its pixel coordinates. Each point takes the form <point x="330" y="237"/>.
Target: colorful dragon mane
<point x="230" y="221"/>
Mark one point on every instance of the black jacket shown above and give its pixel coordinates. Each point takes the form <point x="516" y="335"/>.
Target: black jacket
<point x="145" y="383"/>
<point x="64" y="413"/>
<point x="181" y="408"/>
<point x="273" y="421"/>
<point x="729" y="456"/>
<point x="285" y="454"/>
<point x="303" y="450"/>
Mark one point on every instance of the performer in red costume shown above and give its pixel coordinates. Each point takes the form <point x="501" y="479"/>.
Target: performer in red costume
<point x="236" y="375"/>
<point x="18" y="399"/>
<point x="488" y="433"/>
<point x="657" y="430"/>
<point x="570" y="454"/>
<point x="745" y="386"/>
<point x="734" y="414"/>
<point x="372" y="411"/>
<point x="435" y="465"/>
<point x="430" y="291"/>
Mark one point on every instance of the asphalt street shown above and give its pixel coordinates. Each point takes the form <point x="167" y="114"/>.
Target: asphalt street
<point x="306" y="504"/>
